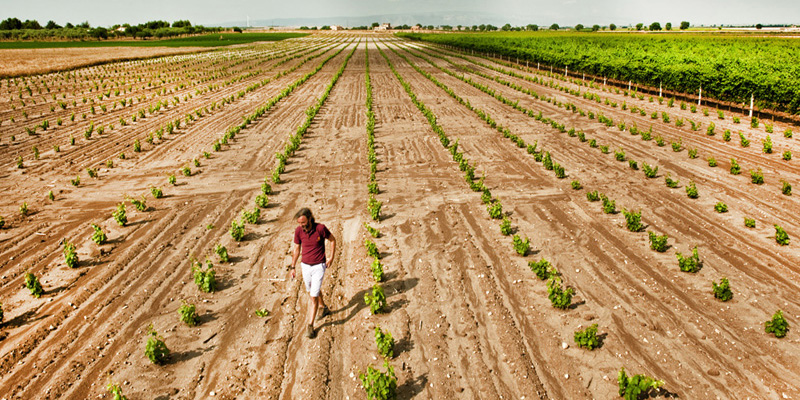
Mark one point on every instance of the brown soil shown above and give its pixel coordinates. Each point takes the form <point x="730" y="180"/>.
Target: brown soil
<point x="469" y="317"/>
<point x="18" y="62"/>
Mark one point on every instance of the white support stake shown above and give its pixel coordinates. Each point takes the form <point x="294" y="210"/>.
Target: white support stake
<point x="751" y="105"/>
<point x="565" y="71"/>
<point x="659" y="89"/>
<point x="629" y="86"/>
<point x="700" y="96"/>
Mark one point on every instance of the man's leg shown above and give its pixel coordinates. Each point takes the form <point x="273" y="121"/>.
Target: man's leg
<point x="312" y="310"/>
<point x="322" y="302"/>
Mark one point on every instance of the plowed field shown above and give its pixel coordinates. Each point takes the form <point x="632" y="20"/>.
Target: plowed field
<point x="469" y="317"/>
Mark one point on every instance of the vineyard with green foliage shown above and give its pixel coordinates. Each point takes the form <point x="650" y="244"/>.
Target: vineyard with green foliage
<point x="729" y="68"/>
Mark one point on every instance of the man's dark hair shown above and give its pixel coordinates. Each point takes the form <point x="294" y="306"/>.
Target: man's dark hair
<point x="305" y="212"/>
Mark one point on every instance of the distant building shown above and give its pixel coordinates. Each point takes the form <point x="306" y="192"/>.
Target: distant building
<point x="383" y="27"/>
<point x="336" y="28"/>
<point x="416" y="27"/>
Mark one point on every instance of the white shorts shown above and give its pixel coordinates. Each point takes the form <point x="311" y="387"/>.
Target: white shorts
<point x="312" y="276"/>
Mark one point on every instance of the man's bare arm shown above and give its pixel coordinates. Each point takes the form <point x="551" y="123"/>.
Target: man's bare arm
<point x="333" y="251"/>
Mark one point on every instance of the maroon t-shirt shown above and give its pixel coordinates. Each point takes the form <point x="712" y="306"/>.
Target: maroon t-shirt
<point x="312" y="243"/>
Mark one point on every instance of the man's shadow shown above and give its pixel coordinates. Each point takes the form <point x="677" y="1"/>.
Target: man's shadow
<point x="357" y="303"/>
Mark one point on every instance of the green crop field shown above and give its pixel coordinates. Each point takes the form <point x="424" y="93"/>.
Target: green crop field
<point x="728" y="67"/>
<point x="209" y="40"/>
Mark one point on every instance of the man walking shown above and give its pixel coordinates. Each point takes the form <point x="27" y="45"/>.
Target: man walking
<point x="309" y="238"/>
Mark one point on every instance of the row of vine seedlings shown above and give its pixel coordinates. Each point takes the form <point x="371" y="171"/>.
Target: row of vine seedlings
<point x="377" y="384"/>
<point x="757" y="176"/>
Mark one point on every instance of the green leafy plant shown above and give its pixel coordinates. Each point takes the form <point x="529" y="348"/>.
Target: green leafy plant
<point x="672" y="183"/>
<point x="743" y="141"/>
<point x="188" y="313"/>
<point x="756" y="176"/>
<point x="649" y="171"/>
<point x="377" y="269"/>
<point x="541" y="268"/>
<point x="372" y="249"/>
<point x="787" y="155"/>
<point x="116" y="391"/>
<point x="691" y="190"/>
<point x="266" y="188"/>
<point x="633" y="164"/>
<point x="637" y="386"/>
<point x="658" y="242"/>
<point x="749" y="222"/>
<point x="633" y="220"/>
<point x="786" y="188"/>
<point x="120" y="215"/>
<point x="619" y="155"/>
<point x="137" y="147"/>
<point x="559" y="297"/>
<point x="781" y="236"/>
<point x="262" y="312"/>
<point x="98" y="236"/>
<point x="262" y="200"/>
<point x="237" y="230"/>
<point x="140" y="205"/>
<point x="587" y="338"/>
<point x="521" y="246"/>
<point x="379" y="385"/>
<point x="171" y="179"/>
<point x="495" y="210"/>
<point x="692" y="153"/>
<point x="712" y="162"/>
<point x="75" y="182"/>
<point x="385" y="342"/>
<point x="677" y="146"/>
<point x="691" y="263"/>
<point x="222" y="252"/>
<point x="723" y="290"/>
<point x="593" y="195"/>
<point x="33" y="285"/>
<point x="609" y="206"/>
<point x="70" y="256"/>
<point x="721" y="207"/>
<point x="375" y="299"/>
<point x="735" y="168"/>
<point x="777" y="325"/>
<point x="155" y="349"/>
<point x="204" y="278"/>
<point x="156" y="192"/>
<point x="23" y="208"/>
<point x="374" y="207"/>
<point x="372" y="231"/>
<point x="251" y="217"/>
<point x="767" y="145"/>
<point x="186" y="171"/>
<point x="505" y="226"/>
<point x="576" y="185"/>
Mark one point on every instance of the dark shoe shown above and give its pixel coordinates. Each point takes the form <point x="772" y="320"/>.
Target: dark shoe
<point x="325" y="312"/>
<point x="310" y="331"/>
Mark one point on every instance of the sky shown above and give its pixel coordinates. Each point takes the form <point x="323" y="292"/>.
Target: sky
<point x="516" y="12"/>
